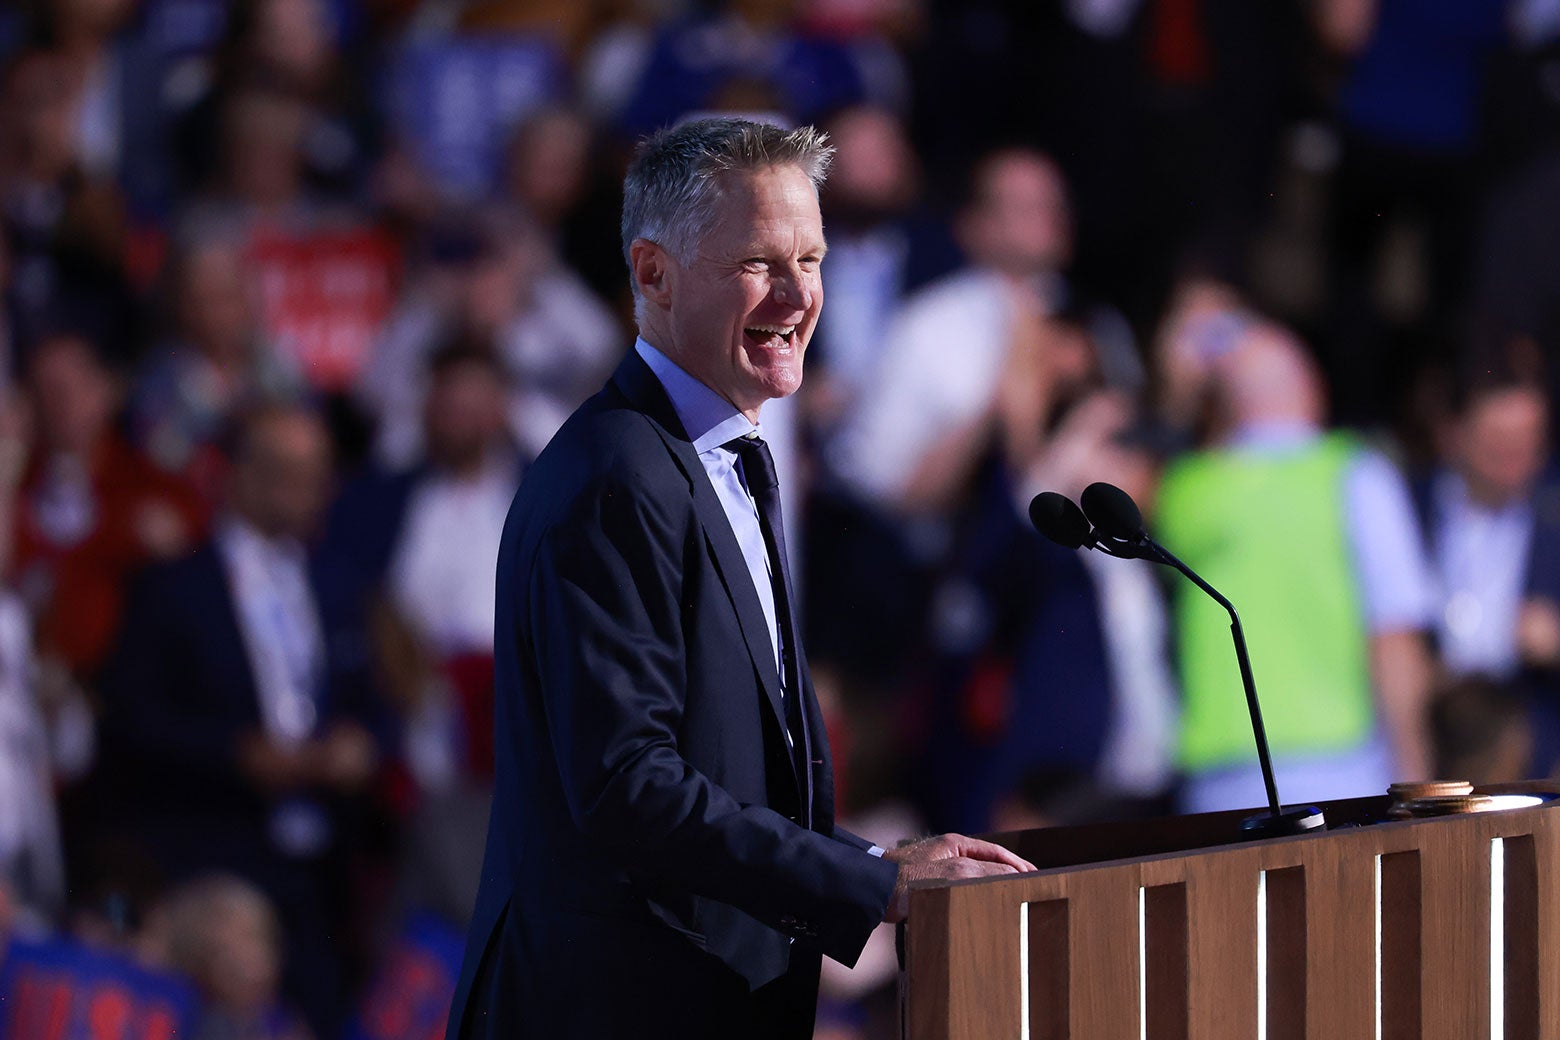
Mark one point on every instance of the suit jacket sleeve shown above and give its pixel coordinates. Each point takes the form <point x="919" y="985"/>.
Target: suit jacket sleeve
<point x="606" y="625"/>
<point x="855" y="841"/>
<point x="143" y="714"/>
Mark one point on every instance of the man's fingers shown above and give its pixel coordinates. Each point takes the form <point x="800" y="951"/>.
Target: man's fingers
<point x="964" y="867"/>
<point x="975" y="848"/>
<point x="944" y="847"/>
<point x="989" y="851"/>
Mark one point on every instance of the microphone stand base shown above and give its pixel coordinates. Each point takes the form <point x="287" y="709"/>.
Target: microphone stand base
<point x="1291" y="820"/>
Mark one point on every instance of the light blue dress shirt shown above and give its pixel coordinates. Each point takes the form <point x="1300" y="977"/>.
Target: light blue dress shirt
<point x="711" y="421"/>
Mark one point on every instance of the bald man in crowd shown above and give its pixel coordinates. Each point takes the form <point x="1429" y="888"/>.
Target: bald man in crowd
<point x="1313" y="536"/>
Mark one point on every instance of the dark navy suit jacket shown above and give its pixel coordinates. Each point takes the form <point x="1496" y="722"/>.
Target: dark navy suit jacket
<point x="654" y="866"/>
<point x="179" y="694"/>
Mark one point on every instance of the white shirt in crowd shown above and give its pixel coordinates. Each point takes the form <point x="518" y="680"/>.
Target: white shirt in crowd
<point x="280" y="625"/>
<point x="29" y="829"/>
<point x="938" y="370"/>
<point x="1480" y="557"/>
<point x="441" y="576"/>
<point x="1137" y="758"/>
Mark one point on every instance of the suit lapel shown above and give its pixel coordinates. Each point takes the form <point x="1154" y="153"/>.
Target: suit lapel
<point x="815" y="740"/>
<point x="637" y="383"/>
<point x="225" y="636"/>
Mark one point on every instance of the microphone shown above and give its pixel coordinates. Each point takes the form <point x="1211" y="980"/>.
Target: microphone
<point x="1112" y="510"/>
<point x="1118" y="518"/>
<point x="1056" y="517"/>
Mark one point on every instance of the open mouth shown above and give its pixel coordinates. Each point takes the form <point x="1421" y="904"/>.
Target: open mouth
<point x="775" y="337"/>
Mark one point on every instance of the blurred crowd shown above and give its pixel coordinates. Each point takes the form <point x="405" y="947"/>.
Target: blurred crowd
<point x="292" y="291"/>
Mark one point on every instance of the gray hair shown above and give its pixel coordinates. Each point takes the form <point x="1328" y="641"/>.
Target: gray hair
<point x="673" y="183"/>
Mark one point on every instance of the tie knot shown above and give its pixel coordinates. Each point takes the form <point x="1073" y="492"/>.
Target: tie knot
<point x="758" y="465"/>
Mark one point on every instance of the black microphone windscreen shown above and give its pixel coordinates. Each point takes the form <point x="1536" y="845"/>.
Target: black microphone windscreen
<point x="1056" y="517"/>
<point x="1112" y="511"/>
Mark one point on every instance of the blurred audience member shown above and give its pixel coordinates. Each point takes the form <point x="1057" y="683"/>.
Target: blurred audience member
<point x="223" y="933"/>
<point x="882" y="245"/>
<point x="238" y="713"/>
<point x="1058" y="660"/>
<point x="554" y="177"/>
<point x="1205" y="319"/>
<point x="1492" y="516"/>
<point x="289" y="47"/>
<point x="391" y="528"/>
<point x="1488" y="522"/>
<point x="548" y="163"/>
<point x="91" y="509"/>
<point x="214" y="362"/>
<point x="83" y="33"/>
<point x="491" y="275"/>
<point x="65" y="223"/>
<point x="905" y="459"/>
<point x="32" y="871"/>
<point x="938" y="381"/>
<point x="1482" y="733"/>
<point x="1314" y="538"/>
<point x="261" y="179"/>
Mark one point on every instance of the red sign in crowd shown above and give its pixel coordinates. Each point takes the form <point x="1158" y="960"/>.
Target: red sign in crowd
<point x="65" y="991"/>
<point x="324" y="297"/>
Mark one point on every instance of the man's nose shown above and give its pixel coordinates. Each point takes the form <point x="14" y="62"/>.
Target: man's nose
<point x="793" y="290"/>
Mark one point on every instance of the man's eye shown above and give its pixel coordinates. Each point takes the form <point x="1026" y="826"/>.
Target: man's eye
<point x="755" y="263"/>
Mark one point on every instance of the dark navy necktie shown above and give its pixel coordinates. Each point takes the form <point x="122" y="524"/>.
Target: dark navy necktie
<point x="758" y="471"/>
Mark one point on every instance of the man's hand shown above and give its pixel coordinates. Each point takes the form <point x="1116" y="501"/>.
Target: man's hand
<point x="275" y="768"/>
<point x="1538" y="632"/>
<point x="946" y="856"/>
<point x="348" y="758"/>
<point x="344" y="759"/>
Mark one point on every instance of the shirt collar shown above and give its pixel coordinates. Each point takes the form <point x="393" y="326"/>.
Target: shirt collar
<point x="1274" y="435"/>
<point x="240" y="539"/>
<point x="708" y="418"/>
<point x="1452" y="490"/>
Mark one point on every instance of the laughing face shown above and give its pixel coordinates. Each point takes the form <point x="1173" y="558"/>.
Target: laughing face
<point x="739" y="313"/>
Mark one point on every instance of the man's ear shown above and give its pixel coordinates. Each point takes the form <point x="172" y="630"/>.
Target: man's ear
<point x="652" y="270"/>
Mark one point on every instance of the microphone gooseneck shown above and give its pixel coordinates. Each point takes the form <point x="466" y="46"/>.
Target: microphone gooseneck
<point x="1119" y="520"/>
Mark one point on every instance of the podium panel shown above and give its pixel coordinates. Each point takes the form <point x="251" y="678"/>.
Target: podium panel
<point x="1433" y="928"/>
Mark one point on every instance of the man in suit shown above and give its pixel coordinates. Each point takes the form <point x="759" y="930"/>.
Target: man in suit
<point x="662" y="858"/>
<point x="238" y="710"/>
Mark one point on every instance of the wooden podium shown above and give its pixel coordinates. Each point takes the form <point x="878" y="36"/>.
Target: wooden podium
<point x="1445" y="928"/>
